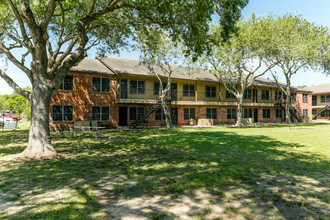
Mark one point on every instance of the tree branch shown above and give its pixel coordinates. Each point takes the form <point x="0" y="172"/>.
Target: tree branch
<point x="15" y="61"/>
<point x="13" y="85"/>
<point x="48" y="15"/>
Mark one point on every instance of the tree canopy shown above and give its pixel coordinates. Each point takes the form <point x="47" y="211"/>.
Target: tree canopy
<point x="56" y="35"/>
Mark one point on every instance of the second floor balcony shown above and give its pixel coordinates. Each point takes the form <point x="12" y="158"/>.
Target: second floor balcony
<point x="187" y="98"/>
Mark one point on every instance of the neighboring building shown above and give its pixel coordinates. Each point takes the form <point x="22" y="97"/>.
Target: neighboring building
<point x="321" y="100"/>
<point x="115" y="92"/>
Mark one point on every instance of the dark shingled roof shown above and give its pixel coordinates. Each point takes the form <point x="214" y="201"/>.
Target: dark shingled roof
<point x="322" y="88"/>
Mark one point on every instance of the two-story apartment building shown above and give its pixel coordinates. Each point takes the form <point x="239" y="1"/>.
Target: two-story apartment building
<point x="115" y="92"/>
<point x="320" y="100"/>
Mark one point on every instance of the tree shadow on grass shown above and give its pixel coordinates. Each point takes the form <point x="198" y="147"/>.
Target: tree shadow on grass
<point x="170" y="164"/>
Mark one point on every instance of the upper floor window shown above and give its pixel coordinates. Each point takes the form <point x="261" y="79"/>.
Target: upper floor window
<point x="101" y="84"/>
<point x="325" y="98"/>
<point x="230" y="95"/>
<point x="305" y="97"/>
<point x="211" y="113"/>
<point x="248" y="113"/>
<point x="156" y="88"/>
<point x="67" y="83"/>
<point x="188" y="113"/>
<point x="62" y="113"/>
<point x="210" y="91"/>
<point x="100" y="113"/>
<point x="231" y="113"/>
<point x="247" y="94"/>
<point x="278" y="95"/>
<point x="137" y="87"/>
<point x="293" y="96"/>
<point x="189" y="90"/>
<point x="266" y="113"/>
<point x="265" y="94"/>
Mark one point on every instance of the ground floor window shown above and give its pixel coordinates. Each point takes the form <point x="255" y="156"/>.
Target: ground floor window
<point x="314" y="112"/>
<point x="188" y="113"/>
<point x="279" y="113"/>
<point x="211" y="113"/>
<point x="159" y="115"/>
<point x="325" y="113"/>
<point x="305" y="113"/>
<point x="248" y="113"/>
<point x="62" y="113"/>
<point x="231" y="113"/>
<point x="100" y="113"/>
<point x="135" y="113"/>
<point x="266" y="113"/>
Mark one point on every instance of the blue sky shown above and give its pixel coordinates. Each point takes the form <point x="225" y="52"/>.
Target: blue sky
<point x="316" y="11"/>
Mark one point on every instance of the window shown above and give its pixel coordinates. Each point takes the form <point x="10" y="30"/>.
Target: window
<point x="137" y="87"/>
<point x="278" y="95"/>
<point x="135" y="113"/>
<point x="231" y="113"/>
<point x="67" y="83"/>
<point x="230" y="95"/>
<point x="210" y="91"/>
<point x="325" y="113"/>
<point x="188" y="113"/>
<point x="247" y="94"/>
<point x="156" y="88"/>
<point x="189" y="90"/>
<point x="279" y="113"/>
<point x="211" y="113"/>
<point x="62" y="113"/>
<point x="100" y="113"/>
<point x="159" y="115"/>
<point x="248" y="113"/>
<point x="313" y="112"/>
<point x="305" y="113"/>
<point x="266" y="113"/>
<point x="305" y="97"/>
<point x="265" y="95"/>
<point x="101" y="84"/>
<point x="325" y="98"/>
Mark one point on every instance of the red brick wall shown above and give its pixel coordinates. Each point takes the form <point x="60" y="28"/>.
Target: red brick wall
<point x="300" y="105"/>
<point x="83" y="99"/>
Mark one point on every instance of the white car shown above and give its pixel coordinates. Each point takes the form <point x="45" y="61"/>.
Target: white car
<point x="3" y="120"/>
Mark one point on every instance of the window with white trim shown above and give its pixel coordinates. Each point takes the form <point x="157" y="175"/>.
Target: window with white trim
<point x="100" y="113"/>
<point x="62" y="113"/>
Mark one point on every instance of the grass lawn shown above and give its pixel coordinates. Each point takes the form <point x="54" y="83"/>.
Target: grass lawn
<point x="269" y="172"/>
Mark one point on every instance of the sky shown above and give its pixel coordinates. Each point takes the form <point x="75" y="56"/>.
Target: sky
<point x="316" y="11"/>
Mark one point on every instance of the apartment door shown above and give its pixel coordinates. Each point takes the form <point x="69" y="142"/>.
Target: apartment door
<point x="123" y="89"/>
<point x="314" y="100"/>
<point x="255" y="115"/>
<point x="122" y="116"/>
<point x="174" y="116"/>
<point x="255" y="95"/>
<point x="174" y="92"/>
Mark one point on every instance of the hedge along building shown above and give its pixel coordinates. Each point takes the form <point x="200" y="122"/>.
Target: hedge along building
<point x="118" y="92"/>
<point x="320" y="101"/>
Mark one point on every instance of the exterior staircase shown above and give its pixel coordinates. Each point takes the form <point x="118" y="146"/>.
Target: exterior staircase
<point x="146" y="115"/>
<point x="321" y="110"/>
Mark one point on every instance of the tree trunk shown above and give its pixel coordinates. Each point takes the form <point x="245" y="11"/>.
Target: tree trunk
<point x="39" y="144"/>
<point x="239" y="111"/>
<point x="167" y="116"/>
<point x="288" y="104"/>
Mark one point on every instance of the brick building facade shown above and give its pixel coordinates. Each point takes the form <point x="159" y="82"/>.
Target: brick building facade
<point x="116" y="91"/>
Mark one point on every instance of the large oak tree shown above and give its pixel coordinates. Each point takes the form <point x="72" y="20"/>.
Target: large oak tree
<point x="56" y="35"/>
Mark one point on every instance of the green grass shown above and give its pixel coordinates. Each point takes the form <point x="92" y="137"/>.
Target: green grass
<point x="280" y="170"/>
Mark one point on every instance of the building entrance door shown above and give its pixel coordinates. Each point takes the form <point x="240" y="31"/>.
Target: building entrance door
<point x="255" y="115"/>
<point x="174" y="116"/>
<point x="122" y="116"/>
